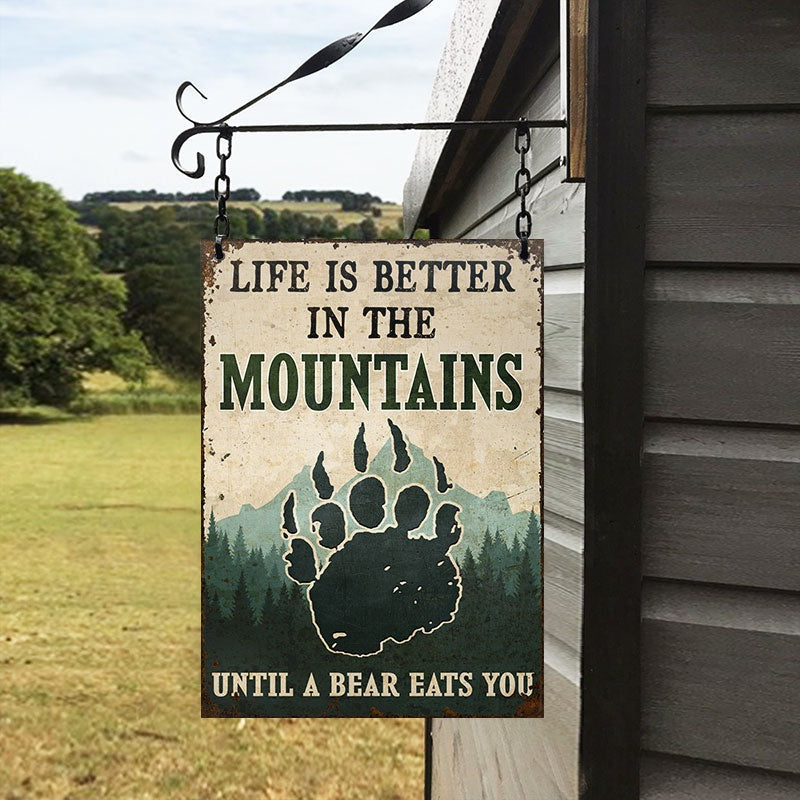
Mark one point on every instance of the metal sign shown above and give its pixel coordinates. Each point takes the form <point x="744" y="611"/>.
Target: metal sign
<point x="372" y="438"/>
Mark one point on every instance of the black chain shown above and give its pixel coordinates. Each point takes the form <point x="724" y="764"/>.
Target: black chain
<point x="222" y="190"/>
<point x="522" y="186"/>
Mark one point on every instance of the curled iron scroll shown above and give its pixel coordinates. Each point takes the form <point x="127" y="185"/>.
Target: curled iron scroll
<point x="320" y="60"/>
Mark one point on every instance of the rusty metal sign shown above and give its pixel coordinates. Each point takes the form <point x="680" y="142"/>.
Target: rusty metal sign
<point x="372" y="439"/>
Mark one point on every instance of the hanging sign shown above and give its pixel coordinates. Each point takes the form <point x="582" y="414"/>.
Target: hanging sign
<point x="372" y="438"/>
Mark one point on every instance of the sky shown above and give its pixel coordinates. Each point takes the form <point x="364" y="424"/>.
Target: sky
<point x="87" y="91"/>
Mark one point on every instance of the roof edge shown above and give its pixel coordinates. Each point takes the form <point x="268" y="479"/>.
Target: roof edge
<point x="461" y="55"/>
<point x="484" y="36"/>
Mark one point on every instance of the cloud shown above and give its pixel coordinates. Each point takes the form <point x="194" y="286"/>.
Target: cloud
<point x="131" y="86"/>
<point x="114" y="70"/>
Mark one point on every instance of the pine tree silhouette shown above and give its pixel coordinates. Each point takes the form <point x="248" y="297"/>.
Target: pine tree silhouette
<point x="533" y="538"/>
<point x="501" y="561"/>
<point x="282" y="618"/>
<point x="486" y="568"/>
<point x="275" y="566"/>
<point x="224" y="575"/>
<point x="268" y="610"/>
<point x="212" y="537"/>
<point x="213" y="612"/>
<point x="256" y="580"/>
<point x="210" y="558"/>
<point x="242" y="614"/>
<point x="471" y="596"/>
<point x="528" y="601"/>
<point x="218" y="570"/>
<point x="239" y="551"/>
<point x="515" y="566"/>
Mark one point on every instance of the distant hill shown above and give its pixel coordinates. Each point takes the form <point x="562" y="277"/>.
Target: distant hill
<point x="262" y="526"/>
<point x="391" y="214"/>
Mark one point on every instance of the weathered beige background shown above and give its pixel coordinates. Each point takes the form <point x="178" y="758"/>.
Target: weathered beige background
<point x="249" y="456"/>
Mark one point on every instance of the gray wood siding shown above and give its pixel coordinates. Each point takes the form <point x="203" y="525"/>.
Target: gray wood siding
<point x="723" y="52"/>
<point x="556" y="208"/>
<point x="668" y="778"/>
<point x="720" y="544"/>
<point x="495" y="175"/>
<point x="739" y="330"/>
<point x="532" y="759"/>
<point x="719" y="666"/>
<point x="722" y="505"/>
<point x="723" y="188"/>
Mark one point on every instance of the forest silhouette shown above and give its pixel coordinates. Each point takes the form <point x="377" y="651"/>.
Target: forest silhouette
<point x="256" y="619"/>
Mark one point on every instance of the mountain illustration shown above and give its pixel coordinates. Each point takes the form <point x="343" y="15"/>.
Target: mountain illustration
<point x="262" y="526"/>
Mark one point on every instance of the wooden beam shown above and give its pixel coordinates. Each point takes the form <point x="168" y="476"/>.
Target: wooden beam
<point x="613" y="407"/>
<point x="577" y="43"/>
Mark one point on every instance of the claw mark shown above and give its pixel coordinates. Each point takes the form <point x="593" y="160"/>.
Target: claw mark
<point x="360" y="454"/>
<point x="301" y="562"/>
<point x="321" y="481"/>
<point x="289" y="523"/>
<point x="401" y="457"/>
<point x="442" y="484"/>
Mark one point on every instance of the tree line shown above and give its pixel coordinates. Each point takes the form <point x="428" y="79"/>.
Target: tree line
<point x="241" y="582"/>
<point x="350" y="201"/>
<point x="152" y="196"/>
<point x="256" y="618"/>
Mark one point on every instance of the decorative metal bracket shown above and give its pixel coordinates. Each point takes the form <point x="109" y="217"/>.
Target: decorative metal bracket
<point x="320" y="60"/>
<point x="323" y="58"/>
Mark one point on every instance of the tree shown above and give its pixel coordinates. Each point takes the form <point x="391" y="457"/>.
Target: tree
<point x="276" y="569"/>
<point x="515" y="565"/>
<point x="59" y="315"/>
<point x="487" y="570"/>
<point x="157" y="250"/>
<point x="219" y="570"/>
<point x="213" y="612"/>
<point x="242" y="616"/>
<point x="239" y="550"/>
<point x="164" y="303"/>
<point x="211" y="548"/>
<point x="267" y="610"/>
<point x="368" y="230"/>
<point x="533" y="538"/>
<point x="272" y="227"/>
<point x="257" y="579"/>
<point x="470" y="598"/>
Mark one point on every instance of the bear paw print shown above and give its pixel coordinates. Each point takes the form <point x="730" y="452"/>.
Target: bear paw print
<point x="376" y="585"/>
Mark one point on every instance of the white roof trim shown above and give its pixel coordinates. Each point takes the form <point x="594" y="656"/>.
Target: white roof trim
<point x="471" y="24"/>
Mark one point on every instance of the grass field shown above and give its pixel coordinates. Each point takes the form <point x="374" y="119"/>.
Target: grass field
<point x="391" y="213"/>
<point x="99" y="637"/>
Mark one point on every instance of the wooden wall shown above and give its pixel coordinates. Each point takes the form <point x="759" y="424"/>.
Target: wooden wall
<point x="721" y="534"/>
<point x="531" y="759"/>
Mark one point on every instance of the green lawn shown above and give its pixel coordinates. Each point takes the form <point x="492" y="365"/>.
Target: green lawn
<point x="99" y="637"/>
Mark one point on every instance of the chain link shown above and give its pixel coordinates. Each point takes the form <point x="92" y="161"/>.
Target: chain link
<point x="522" y="187"/>
<point x="222" y="190"/>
